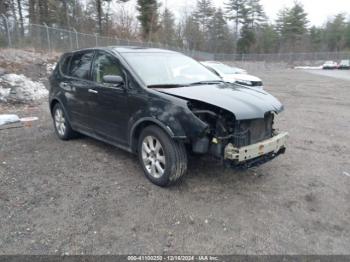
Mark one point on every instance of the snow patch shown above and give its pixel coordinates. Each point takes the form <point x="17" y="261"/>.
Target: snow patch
<point x="20" y="89"/>
<point x="8" y="119"/>
<point x="308" y="67"/>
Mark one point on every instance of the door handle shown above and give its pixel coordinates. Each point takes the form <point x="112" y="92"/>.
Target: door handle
<point x="92" y="91"/>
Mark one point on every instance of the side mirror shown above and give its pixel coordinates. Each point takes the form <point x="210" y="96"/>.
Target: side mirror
<point x="113" y="80"/>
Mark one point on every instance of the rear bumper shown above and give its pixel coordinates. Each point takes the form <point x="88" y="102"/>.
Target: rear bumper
<point x="270" y="147"/>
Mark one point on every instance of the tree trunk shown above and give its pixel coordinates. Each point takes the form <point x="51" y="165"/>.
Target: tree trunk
<point x="107" y="18"/>
<point x="66" y="14"/>
<point x="99" y="15"/>
<point x="20" y="12"/>
<point x="13" y="11"/>
<point x="43" y="12"/>
<point x="31" y="10"/>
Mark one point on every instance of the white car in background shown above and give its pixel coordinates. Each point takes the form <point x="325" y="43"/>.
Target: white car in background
<point x="330" y="65"/>
<point x="233" y="74"/>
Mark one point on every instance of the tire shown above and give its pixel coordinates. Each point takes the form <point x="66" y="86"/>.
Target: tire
<point x="171" y="157"/>
<point x="62" y="126"/>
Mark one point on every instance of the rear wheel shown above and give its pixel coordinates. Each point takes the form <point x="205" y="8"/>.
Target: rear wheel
<point x="163" y="159"/>
<point x="62" y="127"/>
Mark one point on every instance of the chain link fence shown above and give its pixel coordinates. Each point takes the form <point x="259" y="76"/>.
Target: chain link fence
<point x="45" y="38"/>
<point x="290" y="58"/>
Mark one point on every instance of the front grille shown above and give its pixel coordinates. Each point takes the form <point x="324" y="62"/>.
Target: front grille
<point x="253" y="131"/>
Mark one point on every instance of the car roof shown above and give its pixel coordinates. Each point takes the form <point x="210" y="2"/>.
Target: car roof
<point x="211" y="62"/>
<point x="128" y="49"/>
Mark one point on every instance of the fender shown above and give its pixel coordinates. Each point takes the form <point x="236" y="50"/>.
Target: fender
<point x="62" y="105"/>
<point x="164" y="127"/>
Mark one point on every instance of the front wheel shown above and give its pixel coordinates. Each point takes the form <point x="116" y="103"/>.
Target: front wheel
<point x="163" y="159"/>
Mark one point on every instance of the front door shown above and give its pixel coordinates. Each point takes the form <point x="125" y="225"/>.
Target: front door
<point x="110" y="103"/>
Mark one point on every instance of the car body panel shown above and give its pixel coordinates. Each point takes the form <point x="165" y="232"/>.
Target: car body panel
<point x="177" y="120"/>
<point x="244" y="103"/>
<point x="110" y="112"/>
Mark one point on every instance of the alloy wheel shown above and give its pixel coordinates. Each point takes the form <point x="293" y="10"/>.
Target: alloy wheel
<point x="60" y="122"/>
<point x="153" y="156"/>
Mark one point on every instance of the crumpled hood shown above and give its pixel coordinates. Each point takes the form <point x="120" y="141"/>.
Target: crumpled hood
<point x="244" y="103"/>
<point x="230" y="77"/>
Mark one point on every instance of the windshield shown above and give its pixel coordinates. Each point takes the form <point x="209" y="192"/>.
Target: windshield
<point x="224" y="69"/>
<point x="168" y="69"/>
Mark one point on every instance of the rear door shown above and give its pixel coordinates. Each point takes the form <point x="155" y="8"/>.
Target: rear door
<point x="78" y="88"/>
<point x="109" y="107"/>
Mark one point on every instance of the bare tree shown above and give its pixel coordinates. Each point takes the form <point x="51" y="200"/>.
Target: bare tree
<point x="20" y="13"/>
<point x="32" y="6"/>
<point x="99" y="15"/>
<point x="125" y="25"/>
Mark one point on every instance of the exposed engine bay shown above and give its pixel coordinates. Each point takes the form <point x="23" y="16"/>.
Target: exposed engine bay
<point x="224" y="129"/>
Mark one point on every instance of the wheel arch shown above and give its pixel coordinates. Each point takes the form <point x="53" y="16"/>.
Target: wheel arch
<point x="53" y="103"/>
<point x="143" y="123"/>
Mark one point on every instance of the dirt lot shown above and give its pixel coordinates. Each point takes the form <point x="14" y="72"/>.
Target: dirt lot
<point x="340" y="74"/>
<point x="85" y="197"/>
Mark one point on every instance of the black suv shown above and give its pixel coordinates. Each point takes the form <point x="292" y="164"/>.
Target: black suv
<point x="161" y="105"/>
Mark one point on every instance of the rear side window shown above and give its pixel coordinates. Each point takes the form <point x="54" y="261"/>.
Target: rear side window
<point x="65" y="64"/>
<point x="80" y="65"/>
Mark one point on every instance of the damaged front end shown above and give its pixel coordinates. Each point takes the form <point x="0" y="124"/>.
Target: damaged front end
<point x="244" y="143"/>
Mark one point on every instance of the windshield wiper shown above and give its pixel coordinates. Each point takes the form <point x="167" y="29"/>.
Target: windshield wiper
<point x="210" y="82"/>
<point x="214" y="82"/>
<point x="167" y="85"/>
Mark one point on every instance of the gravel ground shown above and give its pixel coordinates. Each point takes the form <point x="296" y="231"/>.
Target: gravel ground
<point x="86" y="197"/>
<point x="340" y="74"/>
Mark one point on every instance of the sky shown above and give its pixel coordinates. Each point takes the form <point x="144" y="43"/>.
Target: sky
<point x="319" y="10"/>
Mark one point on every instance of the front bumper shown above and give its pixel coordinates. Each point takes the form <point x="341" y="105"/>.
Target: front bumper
<point x="271" y="146"/>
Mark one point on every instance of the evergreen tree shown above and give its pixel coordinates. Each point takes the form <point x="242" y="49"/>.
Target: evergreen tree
<point x="335" y="33"/>
<point x="266" y="39"/>
<point x="148" y="17"/>
<point x="316" y="38"/>
<point x="167" y="32"/>
<point x="192" y="35"/>
<point x="347" y="35"/>
<point x="256" y="13"/>
<point x="292" y="26"/>
<point x="247" y="36"/>
<point x="281" y="20"/>
<point x="220" y="36"/>
<point x="203" y="15"/>
<point x="234" y="12"/>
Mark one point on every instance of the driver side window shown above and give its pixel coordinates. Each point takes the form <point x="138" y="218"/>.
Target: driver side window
<point x="104" y="64"/>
